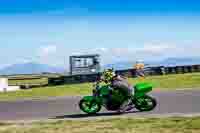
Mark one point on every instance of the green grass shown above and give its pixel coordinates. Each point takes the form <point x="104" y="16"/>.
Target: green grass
<point x="167" y="82"/>
<point x="171" y="82"/>
<point x="63" y="90"/>
<point x="40" y="81"/>
<point x="113" y="125"/>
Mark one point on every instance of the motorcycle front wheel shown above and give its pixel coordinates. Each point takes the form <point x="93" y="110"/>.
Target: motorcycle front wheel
<point x="145" y="103"/>
<point x="89" y="107"/>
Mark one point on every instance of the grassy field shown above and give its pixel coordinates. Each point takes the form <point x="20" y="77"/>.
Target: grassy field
<point x="63" y="90"/>
<point x="171" y="82"/>
<point x="167" y="82"/>
<point x="114" y="125"/>
<point x="39" y="81"/>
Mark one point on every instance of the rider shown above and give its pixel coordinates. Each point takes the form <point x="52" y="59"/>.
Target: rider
<point x="118" y="82"/>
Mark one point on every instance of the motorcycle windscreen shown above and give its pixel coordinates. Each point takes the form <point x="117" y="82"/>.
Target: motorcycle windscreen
<point x="143" y="87"/>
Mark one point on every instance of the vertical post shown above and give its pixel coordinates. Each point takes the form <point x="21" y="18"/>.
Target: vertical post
<point x="193" y="68"/>
<point x="198" y="68"/>
<point x="179" y="70"/>
<point x="70" y="64"/>
<point x="85" y="62"/>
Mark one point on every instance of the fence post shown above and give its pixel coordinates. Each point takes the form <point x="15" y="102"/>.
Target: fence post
<point x="193" y="68"/>
<point x="189" y="69"/>
<point x="166" y="70"/>
<point x="198" y="68"/>
<point x="185" y="69"/>
<point x="179" y="70"/>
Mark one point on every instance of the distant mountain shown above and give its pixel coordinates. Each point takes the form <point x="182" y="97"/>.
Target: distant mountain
<point x="119" y="65"/>
<point x="36" y="68"/>
<point x="30" y="68"/>
<point x="127" y="65"/>
<point x="180" y="61"/>
<point x="166" y="62"/>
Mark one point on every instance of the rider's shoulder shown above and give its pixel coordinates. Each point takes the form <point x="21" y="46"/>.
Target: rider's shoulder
<point x="118" y="77"/>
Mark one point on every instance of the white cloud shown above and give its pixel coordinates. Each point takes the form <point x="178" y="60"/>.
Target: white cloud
<point x="47" y="50"/>
<point x="99" y="50"/>
<point x="50" y="54"/>
<point x="159" y="48"/>
<point x="102" y="49"/>
<point x="119" y="51"/>
<point x="165" y="50"/>
<point x="59" y="56"/>
<point x="77" y="53"/>
<point x="149" y="51"/>
<point x="155" y="50"/>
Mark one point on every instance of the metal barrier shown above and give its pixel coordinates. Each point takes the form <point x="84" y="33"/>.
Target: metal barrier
<point x="160" y="70"/>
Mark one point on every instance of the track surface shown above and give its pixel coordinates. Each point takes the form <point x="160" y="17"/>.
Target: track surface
<point x="184" y="102"/>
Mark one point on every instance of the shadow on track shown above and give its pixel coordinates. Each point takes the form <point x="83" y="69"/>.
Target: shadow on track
<point x="104" y="114"/>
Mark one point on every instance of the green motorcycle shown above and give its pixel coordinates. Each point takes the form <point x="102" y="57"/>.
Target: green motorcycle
<point x="140" y="100"/>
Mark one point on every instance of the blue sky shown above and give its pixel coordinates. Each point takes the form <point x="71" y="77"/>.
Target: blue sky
<point x="48" y="31"/>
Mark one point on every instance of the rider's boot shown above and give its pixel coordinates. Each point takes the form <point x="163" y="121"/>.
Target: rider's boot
<point x="126" y="106"/>
<point x="130" y="105"/>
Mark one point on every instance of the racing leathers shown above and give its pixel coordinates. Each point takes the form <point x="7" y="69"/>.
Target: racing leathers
<point x="120" y="83"/>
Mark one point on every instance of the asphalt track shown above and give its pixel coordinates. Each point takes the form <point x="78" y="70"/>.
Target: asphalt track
<point x="174" y="102"/>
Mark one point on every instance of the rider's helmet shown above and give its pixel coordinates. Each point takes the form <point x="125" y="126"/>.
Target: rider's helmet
<point x="108" y="75"/>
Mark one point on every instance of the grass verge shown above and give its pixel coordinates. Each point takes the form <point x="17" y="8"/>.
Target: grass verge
<point x="173" y="81"/>
<point x="114" y="125"/>
<point x="166" y="82"/>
